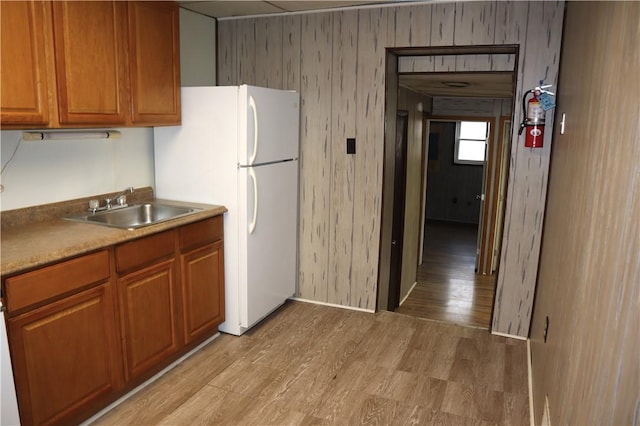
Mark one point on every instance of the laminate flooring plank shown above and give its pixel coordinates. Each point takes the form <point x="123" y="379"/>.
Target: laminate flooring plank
<point x="474" y="402"/>
<point x="385" y="345"/>
<point x="327" y="360"/>
<point x="514" y="374"/>
<point x="516" y="408"/>
<point x="153" y="403"/>
<point x="246" y="378"/>
<point x="275" y="414"/>
<point x="209" y="406"/>
<point x="295" y="392"/>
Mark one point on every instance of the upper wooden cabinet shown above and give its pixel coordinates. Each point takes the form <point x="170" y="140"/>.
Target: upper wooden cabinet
<point x="154" y="56"/>
<point x="23" y="90"/>
<point x="90" y="64"/>
<point x="90" y="57"/>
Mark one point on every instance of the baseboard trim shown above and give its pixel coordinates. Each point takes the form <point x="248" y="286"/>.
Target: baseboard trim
<point x="532" y="420"/>
<point x="333" y="305"/>
<point x="408" y="293"/>
<point x="511" y="336"/>
<point x="137" y="389"/>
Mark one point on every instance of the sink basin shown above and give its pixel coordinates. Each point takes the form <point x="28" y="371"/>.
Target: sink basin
<point x="134" y="216"/>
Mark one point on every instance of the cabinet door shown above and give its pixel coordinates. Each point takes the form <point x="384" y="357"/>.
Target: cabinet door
<point x="90" y="58"/>
<point x="202" y="291"/>
<point x="149" y="316"/>
<point x="154" y="55"/>
<point x="65" y="356"/>
<point x="22" y="54"/>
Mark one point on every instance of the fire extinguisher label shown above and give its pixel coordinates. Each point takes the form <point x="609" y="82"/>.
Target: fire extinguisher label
<point x="535" y="132"/>
<point x="535" y="112"/>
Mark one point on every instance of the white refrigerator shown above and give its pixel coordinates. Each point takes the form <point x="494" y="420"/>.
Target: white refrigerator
<point x="238" y="146"/>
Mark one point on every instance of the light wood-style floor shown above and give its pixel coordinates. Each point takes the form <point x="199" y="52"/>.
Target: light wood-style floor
<point x="312" y="364"/>
<point x="448" y="289"/>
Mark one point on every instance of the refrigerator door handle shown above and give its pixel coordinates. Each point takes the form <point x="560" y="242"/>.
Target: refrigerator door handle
<point x="254" y="108"/>
<point x="254" y="179"/>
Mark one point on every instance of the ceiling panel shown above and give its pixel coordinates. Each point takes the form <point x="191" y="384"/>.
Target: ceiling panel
<point x="227" y="9"/>
<point x="482" y="85"/>
<point x="299" y="6"/>
<point x="221" y="9"/>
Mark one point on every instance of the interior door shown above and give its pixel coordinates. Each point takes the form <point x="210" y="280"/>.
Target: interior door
<point x="397" y="232"/>
<point x="267" y="238"/>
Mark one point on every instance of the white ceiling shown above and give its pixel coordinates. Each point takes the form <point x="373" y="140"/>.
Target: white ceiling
<point x="480" y="85"/>
<point x="227" y="9"/>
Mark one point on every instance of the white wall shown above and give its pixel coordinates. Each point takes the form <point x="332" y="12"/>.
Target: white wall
<point x="46" y="172"/>
<point x="197" y="49"/>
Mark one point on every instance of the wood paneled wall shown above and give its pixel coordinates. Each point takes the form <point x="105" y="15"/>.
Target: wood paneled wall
<point x="336" y="60"/>
<point x="589" y="280"/>
<point x="460" y="63"/>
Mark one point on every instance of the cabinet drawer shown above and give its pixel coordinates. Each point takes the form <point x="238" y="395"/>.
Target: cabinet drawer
<point x="141" y="252"/>
<point x="200" y="233"/>
<point x="52" y="281"/>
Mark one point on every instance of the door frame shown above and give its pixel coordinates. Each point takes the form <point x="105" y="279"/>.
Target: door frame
<point x="391" y="102"/>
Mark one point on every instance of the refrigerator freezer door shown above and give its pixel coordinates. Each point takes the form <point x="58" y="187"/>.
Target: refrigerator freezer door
<point x="267" y="254"/>
<point x="276" y="114"/>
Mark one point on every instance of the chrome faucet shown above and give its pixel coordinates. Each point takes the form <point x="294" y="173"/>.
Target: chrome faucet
<point x="121" y="202"/>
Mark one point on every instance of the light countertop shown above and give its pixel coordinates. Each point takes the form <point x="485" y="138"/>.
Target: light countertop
<point x="36" y="244"/>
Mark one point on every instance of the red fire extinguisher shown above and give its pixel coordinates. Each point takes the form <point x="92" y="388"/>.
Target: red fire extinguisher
<point x="533" y="118"/>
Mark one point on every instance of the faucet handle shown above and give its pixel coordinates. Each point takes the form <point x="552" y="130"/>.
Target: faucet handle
<point x="94" y="205"/>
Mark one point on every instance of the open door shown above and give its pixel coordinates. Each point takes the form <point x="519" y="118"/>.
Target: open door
<point x="397" y="233"/>
<point x="494" y="193"/>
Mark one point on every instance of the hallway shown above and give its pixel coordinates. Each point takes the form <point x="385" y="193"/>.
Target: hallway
<point x="448" y="288"/>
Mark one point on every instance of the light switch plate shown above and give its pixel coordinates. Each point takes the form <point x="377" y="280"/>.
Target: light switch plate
<point x="351" y="145"/>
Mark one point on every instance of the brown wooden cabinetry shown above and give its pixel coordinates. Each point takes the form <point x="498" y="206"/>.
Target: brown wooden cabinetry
<point x="148" y="301"/>
<point x="154" y="56"/>
<point x="66" y="353"/>
<point x="90" y="64"/>
<point x="24" y="86"/>
<point x="202" y="266"/>
<point x="90" y="60"/>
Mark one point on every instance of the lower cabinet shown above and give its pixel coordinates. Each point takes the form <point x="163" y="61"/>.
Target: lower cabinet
<point x="85" y="331"/>
<point x="66" y="355"/>
<point x="148" y="312"/>
<point x="202" y="290"/>
<point x="148" y="291"/>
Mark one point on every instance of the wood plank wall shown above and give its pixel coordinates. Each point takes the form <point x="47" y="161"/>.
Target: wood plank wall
<point x="466" y="63"/>
<point x="326" y="56"/>
<point x="589" y="280"/>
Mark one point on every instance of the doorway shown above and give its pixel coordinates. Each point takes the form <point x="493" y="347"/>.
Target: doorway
<point x="448" y="286"/>
<point x="394" y="60"/>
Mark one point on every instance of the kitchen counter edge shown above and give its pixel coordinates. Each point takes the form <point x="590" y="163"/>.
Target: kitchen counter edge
<point x="37" y="244"/>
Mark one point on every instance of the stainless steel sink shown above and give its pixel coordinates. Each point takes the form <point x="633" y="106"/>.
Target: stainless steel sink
<point x="134" y="216"/>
